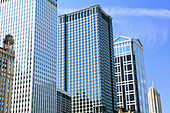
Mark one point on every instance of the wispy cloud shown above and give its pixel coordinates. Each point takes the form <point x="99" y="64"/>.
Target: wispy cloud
<point x="119" y="11"/>
<point x="122" y="11"/>
<point x="150" y="25"/>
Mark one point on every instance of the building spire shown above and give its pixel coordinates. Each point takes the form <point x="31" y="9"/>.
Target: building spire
<point x="152" y="84"/>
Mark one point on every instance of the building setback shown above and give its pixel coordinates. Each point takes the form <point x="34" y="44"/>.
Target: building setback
<point x="33" y="23"/>
<point x="63" y="101"/>
<point x="154" y="101"/>
<point x="86" y="68"/>
<point x="130" y="74"/>
<point x="7" y="55"/>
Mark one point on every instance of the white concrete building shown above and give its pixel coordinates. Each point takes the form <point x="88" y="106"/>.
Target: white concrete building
<point x="154" y="101"/>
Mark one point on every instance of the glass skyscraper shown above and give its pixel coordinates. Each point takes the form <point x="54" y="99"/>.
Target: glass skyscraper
<point x="33" y="24"/>
<point x="63" y="101"/>
<point x="130" y="74"/>
<point x="86" y="68"/>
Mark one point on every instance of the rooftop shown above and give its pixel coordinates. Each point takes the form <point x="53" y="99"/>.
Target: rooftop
<point x="121" y="39"/>
<point x="86" y="9"/>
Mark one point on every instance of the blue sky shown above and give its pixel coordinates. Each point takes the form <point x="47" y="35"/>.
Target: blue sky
<point x="148" y="20"/>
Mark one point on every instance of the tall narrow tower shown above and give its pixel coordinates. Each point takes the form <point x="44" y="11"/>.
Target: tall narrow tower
<point x="130" y="74"/>
<point x="33" y="23"/>
<point x="86" y="67"/>
<point x="7" y="55"/>
<point x="154" y="101"/>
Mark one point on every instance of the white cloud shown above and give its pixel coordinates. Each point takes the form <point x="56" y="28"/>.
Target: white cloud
<point x="118" y="11"/>
<point x="150" y="25"/>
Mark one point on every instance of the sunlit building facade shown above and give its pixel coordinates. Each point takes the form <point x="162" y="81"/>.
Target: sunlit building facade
<point x="130" y="74"/>
<point x="86" y="68"/>
<point x="154" y="101"/>
<point x="33" y="24"/>
<point x="7" y="55"/>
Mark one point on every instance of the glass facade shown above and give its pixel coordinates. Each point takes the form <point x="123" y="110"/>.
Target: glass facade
<point x="33" y="23"/>
<point x="63" y="101"/>
<point x="85" y="60"/>
<point x="130" y="74"/>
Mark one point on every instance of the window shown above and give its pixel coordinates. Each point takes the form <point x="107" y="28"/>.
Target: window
<point x="130" y="86"/>
<point x="85" y="14"/>
<point x="93" y="10"/>
<point x="129" y="67"/>
<point x="76" y="17"/>
<point x="130" y="77"/>
<point x="120" y="49"/>
<point x="82" y="15"/>
<point x="79" y="16"/>
<point x="88" y="14"/>
<point x="60" y="20"/>
<point x="132" y="107"/>
<point x="73" y="18"/>
<point x="67" y="18"/>
<point x="127" y="48"/>
<point x="128" y="57"/>
<point x="131" y="97"/>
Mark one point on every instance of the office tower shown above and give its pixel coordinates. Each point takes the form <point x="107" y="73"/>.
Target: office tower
<point x="86" y="67"/>
<point x="63" y="101"/>
<point x="7" y="55"/>
<point x="33" y="23"/>
<point x="130" y="74"/>
<point x="154" y="101"/>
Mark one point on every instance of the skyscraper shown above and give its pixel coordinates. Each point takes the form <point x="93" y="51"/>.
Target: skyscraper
<point x="7" y="55"/>
<point x="130" y="74"/>
<point x="63" y="101"/>
<point x="33" y="23"/>
<point x="86" y="68"/>
<point x="154" y="101"/>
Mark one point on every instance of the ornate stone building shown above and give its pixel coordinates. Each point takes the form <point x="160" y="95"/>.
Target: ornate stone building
<point x="7" y="55"/>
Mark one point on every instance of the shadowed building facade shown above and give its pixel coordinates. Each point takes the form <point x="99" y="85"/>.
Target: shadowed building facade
<point x="86" y="68"/>
<point x="7" y="55"/>
<point x="130" y="74"/>
<point x="63" y="101"/>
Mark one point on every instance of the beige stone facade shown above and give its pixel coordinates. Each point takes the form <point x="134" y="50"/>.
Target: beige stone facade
<point x="7" y="55"/>
<point x="120" y="110"/>
<point x="154" y="101"/>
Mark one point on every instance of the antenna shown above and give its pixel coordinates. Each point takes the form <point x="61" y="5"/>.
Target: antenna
<point x="152" y="84"/>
